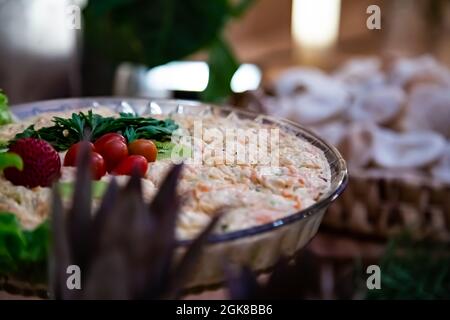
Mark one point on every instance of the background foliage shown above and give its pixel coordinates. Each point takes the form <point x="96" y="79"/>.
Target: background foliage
<point x="414" y="270"/>
<point x="159" y="31"/>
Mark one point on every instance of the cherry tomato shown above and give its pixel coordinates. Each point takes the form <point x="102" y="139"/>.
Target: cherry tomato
<point x="70" y="159"/>
<point x="108" y="137"/>
<point x="113" y="149"/>
<point x="127" y="165"/>
<point x="98" y="166"/>
<point x="144" y="148"/>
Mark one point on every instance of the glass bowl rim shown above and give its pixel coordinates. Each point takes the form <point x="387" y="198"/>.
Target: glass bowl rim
<point x="341" y="177"/>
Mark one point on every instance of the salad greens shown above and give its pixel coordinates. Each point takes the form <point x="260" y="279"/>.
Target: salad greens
<point x="5" y="114"/>
<point x="23" y="252"/>
<point x="164" y="149"/>
<point x="168" y="149"/>
<point x="66" y="132"/>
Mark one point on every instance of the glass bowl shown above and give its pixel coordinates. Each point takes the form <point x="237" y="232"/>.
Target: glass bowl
<point x="259" y="247"/>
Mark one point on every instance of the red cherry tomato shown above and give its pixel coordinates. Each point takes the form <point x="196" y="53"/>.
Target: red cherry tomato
<point x="70" y="159"/>
<point x="145" y="148"/>
<point x="130" y="163"/>
<point x="113" y="148"/>
<point x="108" y="137"/>
<point x="98" y="166"/>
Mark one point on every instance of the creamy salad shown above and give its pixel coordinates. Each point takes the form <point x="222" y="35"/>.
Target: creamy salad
<point x="290" y="175"/>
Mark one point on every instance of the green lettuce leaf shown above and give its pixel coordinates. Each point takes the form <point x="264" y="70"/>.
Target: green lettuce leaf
<point x="23" y="253"/>
<point x="10" y="159"/>
<point x="165" y="150"/>
<point x="222" y="67"/>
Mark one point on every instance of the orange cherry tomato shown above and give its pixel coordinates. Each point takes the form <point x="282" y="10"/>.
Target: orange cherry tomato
<point x="143" y="147"/>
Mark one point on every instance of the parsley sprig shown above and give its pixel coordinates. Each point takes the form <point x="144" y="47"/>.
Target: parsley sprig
<point x="67" y="131"/>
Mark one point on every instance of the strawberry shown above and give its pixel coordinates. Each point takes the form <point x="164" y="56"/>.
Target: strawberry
<point x="41" y="163"/>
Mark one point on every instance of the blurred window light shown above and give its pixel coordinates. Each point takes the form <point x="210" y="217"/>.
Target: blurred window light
<point x="247" y="77"/>
<point x="179" y="76"/>
<point x="44" y="30"/>
<point x="315" y="23"/>
<point x="194" y="75"/>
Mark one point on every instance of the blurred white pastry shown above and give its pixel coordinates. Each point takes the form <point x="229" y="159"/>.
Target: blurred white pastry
<point x="361" y="75"/>
<point x="380" y="106"/>
<point x="407" y="150"/>
<point x="357" y="144"/>
<point x="333" y="132"/>
<point x="312" y="95"/>
<point x="441" y="171"/>
<point x="276" y="106"/>
<point x="409" y="72"/>
<point x="429" y="109"/>
<point x="394" y="115"/>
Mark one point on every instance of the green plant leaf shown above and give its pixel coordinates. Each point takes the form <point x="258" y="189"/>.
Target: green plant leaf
<point x="5" y="114"/>
<point x="152" y="32"/>
<point x="238" y="8"/>
<point x="222" y="66"/>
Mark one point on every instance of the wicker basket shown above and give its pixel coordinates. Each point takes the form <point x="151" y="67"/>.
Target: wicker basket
<point x="378" y="205"/>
